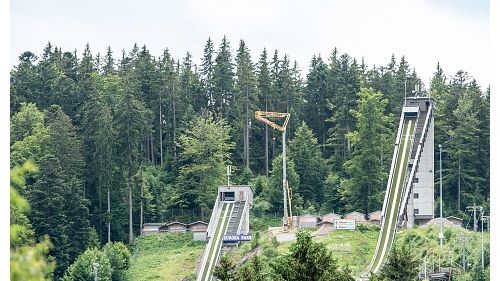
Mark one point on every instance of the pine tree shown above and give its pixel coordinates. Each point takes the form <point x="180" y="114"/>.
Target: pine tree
<point x="23" y="81"/>
<point x="207" y="73"/>
<point x="316" y="99"/>
<point x="305" y="153"/>
<point x="363" y="190"/>
<point x="48" y="194"/>
<point x="246" y="97"/>
<point x="225" y="270"/>
<point x="462" y="175"/>
<point x="401" y="265"/>
<point x="264" y="84"/>
<point x="100" y="148"/>
<point x="223" y="79"/>
<point x="343" y="100"/>
<point x="131" y="124"/>
<point x="308" y="261"/>
<point x="64" y="142"/>
<point x="109" y="63"/>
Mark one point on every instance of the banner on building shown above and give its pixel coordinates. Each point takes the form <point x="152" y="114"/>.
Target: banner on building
<point x="236" y="238"/>
<point x="344" y="224"/>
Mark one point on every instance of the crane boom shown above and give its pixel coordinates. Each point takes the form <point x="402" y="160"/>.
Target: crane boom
<point x="262" y="115"/>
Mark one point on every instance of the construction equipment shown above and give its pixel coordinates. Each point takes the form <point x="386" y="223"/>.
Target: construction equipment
<point x="263" y="116"/>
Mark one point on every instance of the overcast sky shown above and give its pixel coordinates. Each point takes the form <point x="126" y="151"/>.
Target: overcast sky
<point x="453" y="32"/>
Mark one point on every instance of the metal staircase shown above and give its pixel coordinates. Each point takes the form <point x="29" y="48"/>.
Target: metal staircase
<point x="235" y="219"/>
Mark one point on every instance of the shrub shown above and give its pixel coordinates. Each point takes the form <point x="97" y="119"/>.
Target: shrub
<point x="119" y="258"/>
<point x="83" y="268"/>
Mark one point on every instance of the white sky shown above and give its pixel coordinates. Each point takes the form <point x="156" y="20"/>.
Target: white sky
<point x="454" y="32"/>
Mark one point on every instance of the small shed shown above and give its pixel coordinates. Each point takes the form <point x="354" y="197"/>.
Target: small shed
<point x="150" y="228"/>
<point x="175" y="227"/>
<point x="324" y="228"/>
<point x="330" y="217"/>
<point x="308" y="220"/>
<point x="198" y="226"/>
<point x="199" y="230"/>
<point x="356" y="216"/>
<point x="454" y="220"/>
<point x="375" y="217"/>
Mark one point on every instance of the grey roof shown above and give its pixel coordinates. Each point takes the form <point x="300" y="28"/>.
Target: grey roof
<point x="154" y="224"/>
<point x="354" y="213"/>
<point x="176" y="222"/>
<point x="198" y="222"/>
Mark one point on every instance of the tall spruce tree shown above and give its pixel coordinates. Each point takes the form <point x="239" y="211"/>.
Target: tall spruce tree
<point x="305" y="152"/>
<point x="207" y="73"/>
<point x="132" y="124"/>
<point x="363" y="190"/>
<point x="246" y="97"/>
<point x="223" y="79"/>
<point x="264" y="84"/>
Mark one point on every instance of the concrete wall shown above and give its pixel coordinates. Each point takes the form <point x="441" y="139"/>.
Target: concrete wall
<point x="199" y="236"/>
<point x="308" y="221"/>
<point x="425" y="185"/>
<point x="241" y="192"/>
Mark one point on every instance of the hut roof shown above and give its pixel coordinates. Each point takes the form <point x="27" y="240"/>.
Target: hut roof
<point x="197" y="222"/>
<point x="154" y="224"/>
<point x="176" y="222"/>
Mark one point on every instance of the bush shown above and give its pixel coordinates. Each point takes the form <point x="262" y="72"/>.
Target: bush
<point x="119" y="258"/>
<point x="83" y="268"/>
<point x="255" y="240"/>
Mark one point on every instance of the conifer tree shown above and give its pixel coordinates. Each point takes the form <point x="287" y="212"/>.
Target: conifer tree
<point x="48" y="194"/>
<point x="246" y="97"/>
<point x="401" y="265"/>
<point x="362" y="191"/>
<point x="223" y="79"/>
<point x="207" y="73"/>
<point x="264" y="84"/>
<point x="109" y="63"/>
<point x="132" y="124"/>
<point x="316" y="99"/>
<point x="305" y="153"/>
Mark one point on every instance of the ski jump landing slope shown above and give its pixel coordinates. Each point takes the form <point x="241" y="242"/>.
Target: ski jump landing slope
<point x="212" y="252"/>
<point x="395" y="192"/>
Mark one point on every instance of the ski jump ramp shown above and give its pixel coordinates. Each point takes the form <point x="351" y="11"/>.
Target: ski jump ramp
<point x="229" y="225"/>
<point x="409" y="197"/>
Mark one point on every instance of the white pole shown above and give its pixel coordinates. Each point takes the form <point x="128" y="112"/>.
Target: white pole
<point x="482" y="241"/>
<point x="285" y="208"/>
<point x="441" y="235"/>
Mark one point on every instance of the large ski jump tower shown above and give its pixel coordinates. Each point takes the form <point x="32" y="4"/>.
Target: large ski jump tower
<point x="229" y="225"/>
<point x="420" y="203"/>
<point x="409" y="197"/>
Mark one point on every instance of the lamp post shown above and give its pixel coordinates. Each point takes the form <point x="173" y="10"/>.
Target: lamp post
<point x="441" y="234"/>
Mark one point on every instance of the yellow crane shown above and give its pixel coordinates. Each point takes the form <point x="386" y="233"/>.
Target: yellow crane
<point x="263" y="116"/>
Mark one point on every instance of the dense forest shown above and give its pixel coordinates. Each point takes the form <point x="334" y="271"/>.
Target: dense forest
<point x="120" y="142"/>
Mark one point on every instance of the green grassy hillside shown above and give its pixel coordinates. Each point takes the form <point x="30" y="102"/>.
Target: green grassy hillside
<point x="164" y="257"/>
<point x="174" y="256"/>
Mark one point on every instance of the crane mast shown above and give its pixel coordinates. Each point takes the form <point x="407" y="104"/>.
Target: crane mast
<point x="263" y="116"/>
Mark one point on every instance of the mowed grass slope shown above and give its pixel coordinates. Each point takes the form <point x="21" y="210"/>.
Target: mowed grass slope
<point x="167" y="256"/>
<point x="174" y="256"/>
